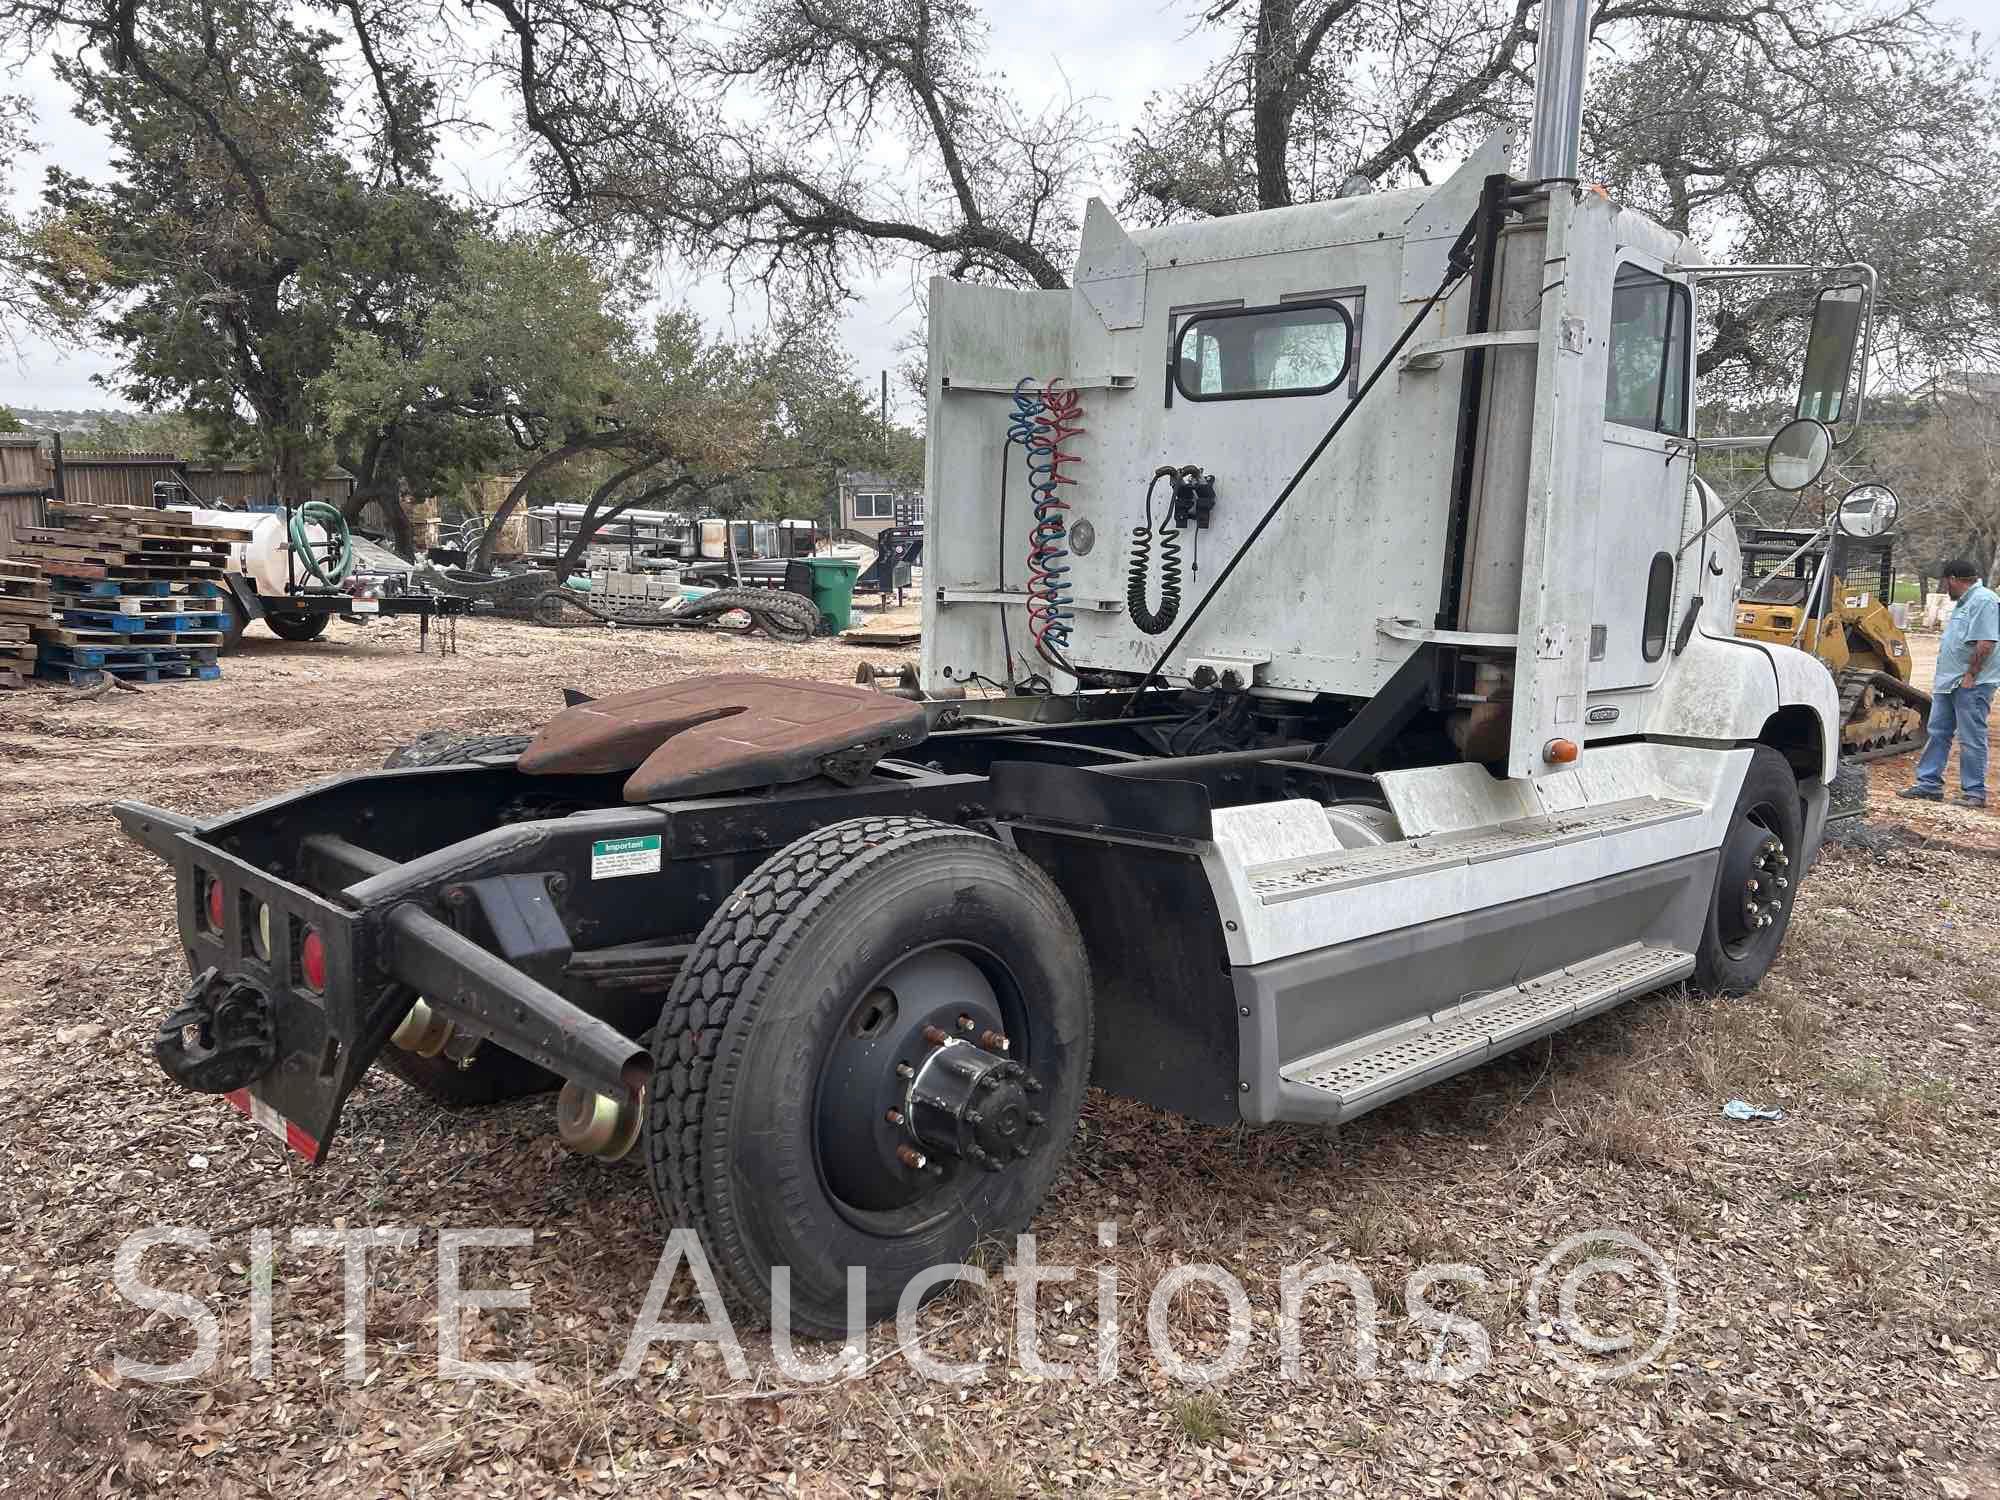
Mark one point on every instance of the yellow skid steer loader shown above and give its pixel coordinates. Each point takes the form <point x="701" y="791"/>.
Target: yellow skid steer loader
<point x="1826" y="592"/>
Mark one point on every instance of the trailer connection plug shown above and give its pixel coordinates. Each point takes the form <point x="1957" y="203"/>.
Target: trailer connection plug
<point x="1138" y="575"/>
<point x="1194" y="498"/>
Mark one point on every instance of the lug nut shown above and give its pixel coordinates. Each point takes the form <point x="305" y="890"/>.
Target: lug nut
<point x="912" y="1158"/>
<point x="894" y="1117"/>
<point x="994" y="1041"/>
<point x="937" y="1036"/>
<point x="1752" y="885"/>
<point x="904" y="1070"/>
<point x="965" y="1023"/>
<point x="1034" y="1118"/>
<point x="1782" y="884"/>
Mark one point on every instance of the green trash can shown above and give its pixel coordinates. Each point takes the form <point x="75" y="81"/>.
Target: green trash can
<point x="833" y="589"/>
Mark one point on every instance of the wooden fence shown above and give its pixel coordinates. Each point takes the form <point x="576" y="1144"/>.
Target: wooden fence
<point x="19" y="507"/>
<point x="102" y="478"/>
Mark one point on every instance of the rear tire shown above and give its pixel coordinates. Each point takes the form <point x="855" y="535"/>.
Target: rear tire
<point x="1763" y="860"/>
<point x="495" y="1075"/>
<point x="453" y="747"/>
<point x="777" y="1052"/>
<point x="234" y="622"/>
<point x="303" y="626"/>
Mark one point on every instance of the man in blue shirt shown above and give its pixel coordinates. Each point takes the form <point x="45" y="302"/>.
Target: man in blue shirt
<point x="1968" y="671"/>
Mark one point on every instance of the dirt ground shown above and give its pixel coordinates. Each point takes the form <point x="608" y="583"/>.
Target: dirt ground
<point x="1838" y="1273"/>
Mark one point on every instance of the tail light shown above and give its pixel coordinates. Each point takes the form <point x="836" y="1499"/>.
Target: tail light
<point x="312" y="960"/>
<point x="212" y="904"/>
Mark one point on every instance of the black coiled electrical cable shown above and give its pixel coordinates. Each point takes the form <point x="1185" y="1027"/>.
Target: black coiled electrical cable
<point x="1138" y="577"/>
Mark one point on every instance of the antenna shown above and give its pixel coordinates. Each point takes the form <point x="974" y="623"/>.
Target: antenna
<point x="1555" y="136"/>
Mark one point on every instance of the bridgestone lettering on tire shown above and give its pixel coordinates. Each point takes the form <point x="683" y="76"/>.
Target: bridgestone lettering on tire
<point x="776" y="983"/>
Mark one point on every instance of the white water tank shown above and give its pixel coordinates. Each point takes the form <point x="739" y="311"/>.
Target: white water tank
<point x="263" y="558"/>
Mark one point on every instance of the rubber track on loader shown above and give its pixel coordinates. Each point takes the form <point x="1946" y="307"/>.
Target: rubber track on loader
<point x="1854" y="685"/>
<point x="751" y="930"/>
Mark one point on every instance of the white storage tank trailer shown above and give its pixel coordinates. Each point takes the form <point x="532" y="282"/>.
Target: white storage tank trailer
<point x="299" y="570"/>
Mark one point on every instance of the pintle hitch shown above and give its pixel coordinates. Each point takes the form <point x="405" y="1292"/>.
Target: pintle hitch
<point x="220" y="1039"/>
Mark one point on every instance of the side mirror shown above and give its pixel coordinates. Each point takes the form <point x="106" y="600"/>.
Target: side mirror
<point x="1798" y="454"/>
<point x="1867" y="510"/>
<point x="1830" y="350"/>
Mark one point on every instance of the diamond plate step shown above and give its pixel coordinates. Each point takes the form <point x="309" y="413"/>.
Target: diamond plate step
<point x="1316" y="874"/>
<point x="1381" y="1067"/>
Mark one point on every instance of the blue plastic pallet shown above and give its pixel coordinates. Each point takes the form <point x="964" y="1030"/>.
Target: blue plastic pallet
<point x="111" y="619"/>
<point x="126" y="656"/>
<point x="167" y="672"/>
<point x="111" y="588"/>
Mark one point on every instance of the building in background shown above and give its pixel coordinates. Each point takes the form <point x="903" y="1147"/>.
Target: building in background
<point x="871" y="501"/>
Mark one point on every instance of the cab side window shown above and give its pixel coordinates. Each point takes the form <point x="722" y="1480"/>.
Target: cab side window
<point x="1646" y="384"/>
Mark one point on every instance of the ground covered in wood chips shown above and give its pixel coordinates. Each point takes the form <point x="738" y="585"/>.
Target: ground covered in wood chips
<point x="1838" y="1273"/>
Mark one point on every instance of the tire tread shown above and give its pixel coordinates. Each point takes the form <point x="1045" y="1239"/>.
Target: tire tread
<point x="713" y="1004"/>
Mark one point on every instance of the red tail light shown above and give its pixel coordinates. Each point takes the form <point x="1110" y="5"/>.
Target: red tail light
<point x="212" y="901"/>
<point x="312" y="960"/>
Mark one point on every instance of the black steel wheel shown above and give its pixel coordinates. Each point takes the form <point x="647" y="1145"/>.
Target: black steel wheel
<point x="304" y="625"/>
<point x="875" y="1057"/>
<point x="1757" y="880"/>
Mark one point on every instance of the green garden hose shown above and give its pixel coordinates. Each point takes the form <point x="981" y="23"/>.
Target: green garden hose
<point x="330" y="571"/>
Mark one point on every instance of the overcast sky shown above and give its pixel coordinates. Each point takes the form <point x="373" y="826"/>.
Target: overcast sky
<point x="1115" y="53"/>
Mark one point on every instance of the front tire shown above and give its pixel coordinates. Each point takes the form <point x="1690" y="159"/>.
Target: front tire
<point x="1756" y="882"/>
<point x="781" y="1125"/>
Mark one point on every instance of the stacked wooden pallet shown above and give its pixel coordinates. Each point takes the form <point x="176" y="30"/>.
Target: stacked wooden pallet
<point x="137" y="593"/>
<point x="24" y="604"/>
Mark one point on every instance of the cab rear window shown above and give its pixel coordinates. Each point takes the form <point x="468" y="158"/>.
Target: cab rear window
<point x="1291" y="349"/>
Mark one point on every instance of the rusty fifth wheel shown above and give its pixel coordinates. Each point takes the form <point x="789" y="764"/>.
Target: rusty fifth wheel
<point x="874" y="1057"/>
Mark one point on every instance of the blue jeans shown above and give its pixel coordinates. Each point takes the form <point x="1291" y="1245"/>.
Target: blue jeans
<point x="1962" y="711"/>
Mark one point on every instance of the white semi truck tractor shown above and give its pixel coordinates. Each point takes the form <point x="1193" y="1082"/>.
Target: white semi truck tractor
<point x="1333" y="686"/>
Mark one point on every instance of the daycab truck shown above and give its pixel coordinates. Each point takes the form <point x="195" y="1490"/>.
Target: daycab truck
<point x="1447" y="745"/>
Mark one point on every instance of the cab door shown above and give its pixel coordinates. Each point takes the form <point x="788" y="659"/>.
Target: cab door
<point x="1643" y="489"/>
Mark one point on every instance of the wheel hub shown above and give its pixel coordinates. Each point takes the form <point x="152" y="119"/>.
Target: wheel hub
<point x="973" y="1104"/>
<point x="1756" y="882"/>
<point x="921" y="1079"/>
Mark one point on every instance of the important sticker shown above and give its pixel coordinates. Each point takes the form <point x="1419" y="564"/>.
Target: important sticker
<point x="610" y="858"/>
